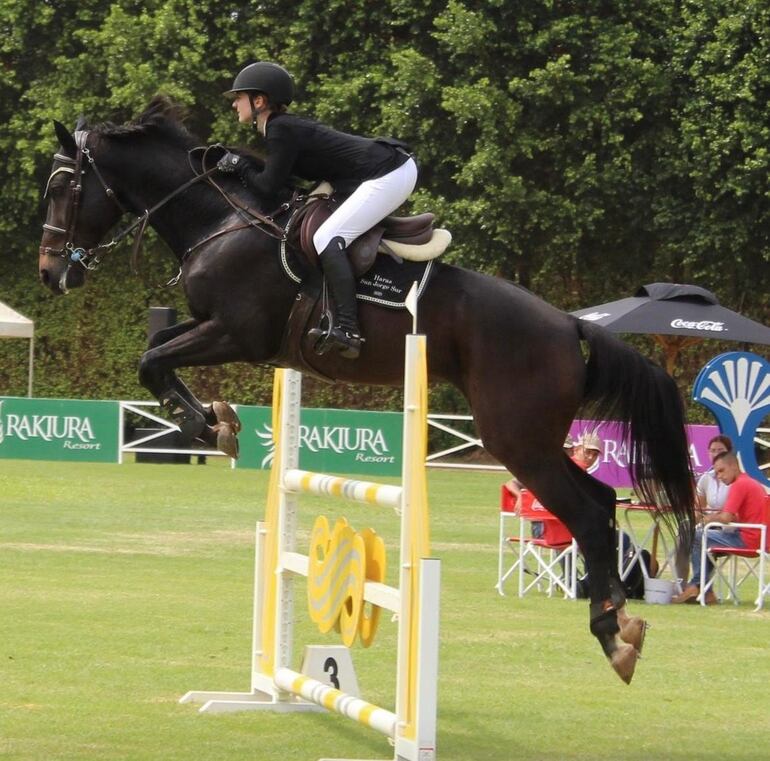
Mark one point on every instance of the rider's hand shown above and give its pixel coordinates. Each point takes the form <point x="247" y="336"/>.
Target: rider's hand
<point x="229" y="163"/>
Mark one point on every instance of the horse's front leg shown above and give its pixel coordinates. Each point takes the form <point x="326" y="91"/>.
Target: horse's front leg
<point x="189" y="344"/>
<point x="217" y="412"/>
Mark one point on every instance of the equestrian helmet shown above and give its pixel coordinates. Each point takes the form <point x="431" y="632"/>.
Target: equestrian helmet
<point x="269" y="78"/>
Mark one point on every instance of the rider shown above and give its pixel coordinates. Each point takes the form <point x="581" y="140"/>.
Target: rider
<point x="379" y="174"/>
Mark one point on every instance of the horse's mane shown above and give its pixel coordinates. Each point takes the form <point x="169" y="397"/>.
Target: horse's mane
<point x="163" y="117"/>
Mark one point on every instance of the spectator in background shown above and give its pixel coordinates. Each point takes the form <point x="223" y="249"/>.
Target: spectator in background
<point x="588" y="450"/>
<point x="514" y="486"/>
<point x="745" y="503"/>
<point x="711" y="492"/>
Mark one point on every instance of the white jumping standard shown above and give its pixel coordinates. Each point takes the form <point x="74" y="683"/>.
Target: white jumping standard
<point x="415" y="602"/>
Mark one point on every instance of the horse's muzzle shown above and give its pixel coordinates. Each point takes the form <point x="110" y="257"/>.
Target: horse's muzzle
<point x="59" y="276"/>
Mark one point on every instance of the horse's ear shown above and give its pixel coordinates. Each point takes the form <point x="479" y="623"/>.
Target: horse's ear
<point x="81" y="123"/>
<point x="66" y="140"/>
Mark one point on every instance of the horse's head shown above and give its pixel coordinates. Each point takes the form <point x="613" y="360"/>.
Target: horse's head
<point x="81" y="210"/>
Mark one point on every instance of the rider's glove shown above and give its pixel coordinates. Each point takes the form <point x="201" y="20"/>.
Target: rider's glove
<point x="229" y="163"/>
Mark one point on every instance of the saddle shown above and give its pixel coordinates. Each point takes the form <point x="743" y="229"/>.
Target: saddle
<point x="412" y="238"/>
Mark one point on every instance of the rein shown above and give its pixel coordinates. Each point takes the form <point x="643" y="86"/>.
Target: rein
<point x="91" y="258"/>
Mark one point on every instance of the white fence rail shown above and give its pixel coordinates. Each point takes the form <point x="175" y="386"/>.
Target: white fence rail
<point x="142" y="410"/>
<point x="449" y="424"/>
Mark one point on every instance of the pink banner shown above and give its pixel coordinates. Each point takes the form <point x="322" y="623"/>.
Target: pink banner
<point x="611" y="467"/>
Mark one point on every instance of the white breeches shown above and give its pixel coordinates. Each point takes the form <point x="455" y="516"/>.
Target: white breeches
<point x="370" y="202"/>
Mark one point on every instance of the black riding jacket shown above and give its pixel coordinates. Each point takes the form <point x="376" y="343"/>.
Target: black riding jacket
<point x="302" y="147"/>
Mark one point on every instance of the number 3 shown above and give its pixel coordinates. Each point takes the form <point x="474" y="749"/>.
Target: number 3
<point x="330" y="668"/>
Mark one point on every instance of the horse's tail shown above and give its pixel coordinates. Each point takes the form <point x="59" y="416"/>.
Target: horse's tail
<point x="623" y="385"/>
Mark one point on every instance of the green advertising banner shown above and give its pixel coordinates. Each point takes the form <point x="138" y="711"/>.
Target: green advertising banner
<point x="58" y="429"/>
<point x="331" y="441"/>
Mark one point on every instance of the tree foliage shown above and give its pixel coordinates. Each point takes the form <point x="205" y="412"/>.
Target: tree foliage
<point x="580" y="149"/>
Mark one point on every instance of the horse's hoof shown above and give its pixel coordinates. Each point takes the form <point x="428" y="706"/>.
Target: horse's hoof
<point x="227" y="440"/>
<point x="623" y="660"/>
<point x="632" y="631"/>
<point x="224" y="413"/>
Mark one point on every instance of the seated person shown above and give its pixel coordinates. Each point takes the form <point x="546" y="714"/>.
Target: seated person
<point x="711" y="493"/>
<point x="745" y="503"/>
<point x="514" y="486"/>
<point x="588" y="450"/>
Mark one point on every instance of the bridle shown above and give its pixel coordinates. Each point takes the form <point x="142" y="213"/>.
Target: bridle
<point x="91" y="258"/>
<point x="86" y="258"/>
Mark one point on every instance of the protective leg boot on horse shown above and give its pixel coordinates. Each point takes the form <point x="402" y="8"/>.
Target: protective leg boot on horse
<point x="632" y="628"/>
<point x="604" y="626"/>
<point x="194" y="423"/>
<point x="191" y="421"/>
<point x="343" y="333"/>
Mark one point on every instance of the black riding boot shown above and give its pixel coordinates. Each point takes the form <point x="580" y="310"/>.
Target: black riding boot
<point x="345" y="334"/>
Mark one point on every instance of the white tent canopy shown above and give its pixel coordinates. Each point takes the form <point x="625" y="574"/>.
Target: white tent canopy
<point x="15" y="325"/>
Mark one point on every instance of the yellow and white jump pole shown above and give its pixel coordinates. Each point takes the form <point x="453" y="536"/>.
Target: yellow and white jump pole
<point x="274" y="684"/>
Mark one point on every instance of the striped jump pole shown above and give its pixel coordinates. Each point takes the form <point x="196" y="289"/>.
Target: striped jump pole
<point x="275" y="684"/>
<point x="384" y="495"/>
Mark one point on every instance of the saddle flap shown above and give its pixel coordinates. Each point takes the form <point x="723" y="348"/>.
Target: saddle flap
<point x="316" y="215"/>
<point x="363" y="250"/>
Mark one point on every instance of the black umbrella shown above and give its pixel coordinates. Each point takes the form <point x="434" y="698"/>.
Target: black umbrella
<point x="676" y="316"/>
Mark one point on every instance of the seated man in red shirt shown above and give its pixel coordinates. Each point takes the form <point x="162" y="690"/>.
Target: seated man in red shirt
<point x="745" y="503"/>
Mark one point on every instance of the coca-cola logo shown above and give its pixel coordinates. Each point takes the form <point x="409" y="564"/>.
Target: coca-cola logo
<point x="716" y="327"/>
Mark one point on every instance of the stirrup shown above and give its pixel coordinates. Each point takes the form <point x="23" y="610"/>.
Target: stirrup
<point x="321" y="333"/>
<point x="348" y="344"/>
<point x="328" y="336"/>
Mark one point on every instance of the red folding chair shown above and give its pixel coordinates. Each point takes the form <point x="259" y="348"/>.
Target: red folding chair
<point x="733" y="566"/>
<point x="507" y="513"/>
<point x="548" y="560"/>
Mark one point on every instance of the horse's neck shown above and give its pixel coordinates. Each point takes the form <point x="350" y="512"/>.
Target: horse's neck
<point x="184" y="219"/>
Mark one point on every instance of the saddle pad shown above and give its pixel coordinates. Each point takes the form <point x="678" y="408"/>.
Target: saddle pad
<point x="388" y="282"/>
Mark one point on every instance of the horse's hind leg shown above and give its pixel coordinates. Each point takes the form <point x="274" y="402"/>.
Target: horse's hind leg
<point x="523" y="402"/>
<point x="561" y="487"/>
<point x="588" y="512"/>
<point x="632" y="628"/>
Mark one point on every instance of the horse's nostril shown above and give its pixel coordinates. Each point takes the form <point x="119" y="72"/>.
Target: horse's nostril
<point x="45" y="277"/>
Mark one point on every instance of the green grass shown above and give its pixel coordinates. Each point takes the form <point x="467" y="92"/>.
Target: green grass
<point x="122" y="587"/>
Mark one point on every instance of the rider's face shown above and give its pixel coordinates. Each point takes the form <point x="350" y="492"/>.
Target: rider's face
<point x="242" y="106"/>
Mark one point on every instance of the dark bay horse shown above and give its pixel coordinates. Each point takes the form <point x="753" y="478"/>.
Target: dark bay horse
<point x="520" y="363"/>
